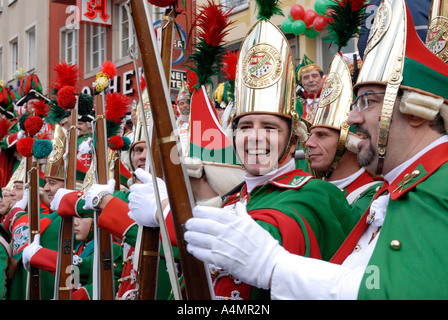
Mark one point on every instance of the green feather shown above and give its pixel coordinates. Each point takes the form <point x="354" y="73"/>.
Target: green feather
<point x="346" y="22"/>
<point x="268" y="8"/>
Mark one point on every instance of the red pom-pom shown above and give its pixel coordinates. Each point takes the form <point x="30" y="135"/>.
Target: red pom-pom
<point x="25" y="147"/>
<point x="33" y="124"/>
<point x="109" y="69"/>
<point x="67" y="97"/>
<point x="116" y="143"/>
<point x="162" y="3"/>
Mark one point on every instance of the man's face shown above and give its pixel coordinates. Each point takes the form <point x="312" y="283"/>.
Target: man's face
<point x="184" y="107"/>
<point x="312" y="82"/>
<point x="52" y="186"/>
<point x="220" y="112"/>
<point x="139" y="156"/>
<point x="17" y="191"/>
<point x="29" y="105"/>
<point x="322" y="144"/>
<point x="5" y="202"/>
<point x="260" y="140"/>
<point x="366" y="125"/>
<point x="83" y="128"/>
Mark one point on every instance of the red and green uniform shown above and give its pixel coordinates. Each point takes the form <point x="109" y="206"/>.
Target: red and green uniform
<point x="115" y="220"/>
<point x="359" y="192"/>
<point x="308" y="217"/>
<point x="49" y="230"/>
<point x="5" y="263"/>
<point x="410" y="256"/>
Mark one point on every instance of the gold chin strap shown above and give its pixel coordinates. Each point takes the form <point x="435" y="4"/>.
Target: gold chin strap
<point x="393" y="85"/>
<point x="340" y="149"/>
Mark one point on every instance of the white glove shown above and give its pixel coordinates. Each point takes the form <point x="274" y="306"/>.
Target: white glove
<point x="234" y="242"/>
<point x="194" y="167"/>
<point x="94" y="190"/>
<point x="54" y="205"/>
<point x="23" y="203"/>
<point x="30" y="250"/>
<point x="21" y="134"/>
<point x="142" y="199"/>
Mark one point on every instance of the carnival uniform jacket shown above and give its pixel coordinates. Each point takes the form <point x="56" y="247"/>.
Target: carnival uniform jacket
<point x="49" y="229"/>
<point x="115" y="220"/>
<point x="308" y="217"/>
<point x="359" y="191"/>
<point x="410" y="257"/>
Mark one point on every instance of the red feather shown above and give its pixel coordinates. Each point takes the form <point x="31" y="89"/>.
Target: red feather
<point x="66" y="75"/>
<point x="5" y="125"/>
<point x="117" y="105"/>
<point x="356" y="5"/>
<point x="109" y="69"/>
<point x="212" y="22"/>
<point x="41" y="108"/>
<point x="229" y="61"/>
<point x="192" y="80"/>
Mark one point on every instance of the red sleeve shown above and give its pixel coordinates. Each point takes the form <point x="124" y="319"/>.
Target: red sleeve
<point x="67" y="206"/>
<point x="45" y="259"/>
<point x="292" y="235"/>
<point x="114" y="217"/>
<point x="11" y="139"/>
<point x="170" y="228"/>
<point x="80" y="294"/>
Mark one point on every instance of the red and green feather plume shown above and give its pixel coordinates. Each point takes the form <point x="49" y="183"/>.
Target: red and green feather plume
<point x="344" y="20"/>
<point x="212" y="24"/>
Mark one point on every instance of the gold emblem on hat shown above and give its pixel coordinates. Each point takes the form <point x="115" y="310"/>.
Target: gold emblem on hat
<point x="58" y="151"/>
<point x="331" y="90"/>
<point x="437" y="36"/>
<point x="262" y="66"/>
<point x="380" y="25"/>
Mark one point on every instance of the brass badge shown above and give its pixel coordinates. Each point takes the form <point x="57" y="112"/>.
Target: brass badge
<point x="262" y="66"/>
<point x="380" y="25"/>
<point x="437" y="36"/>
<point x="58" y="151"/>
<point x="331" y="90"/>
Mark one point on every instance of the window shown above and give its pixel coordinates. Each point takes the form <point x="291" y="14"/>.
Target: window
<point x="1" y="63"/>
<point x="123" y="31"/>
<point x="31" y="43"/>
<point x="237" y="5"/>
<point x="14" y="45"/>
<point x="69" y="46"/>
<point x="96" y="46"/>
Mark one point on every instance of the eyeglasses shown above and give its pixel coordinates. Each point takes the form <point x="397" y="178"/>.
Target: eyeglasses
<point x="362" y="102"/>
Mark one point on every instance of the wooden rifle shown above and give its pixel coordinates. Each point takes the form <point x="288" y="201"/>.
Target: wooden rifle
<point x="106" y="275"/>
<point x="197" y="280"/>
<point x="149" y="244"/>
<point x="65" y="252"/>
<point x="32" y="169"/>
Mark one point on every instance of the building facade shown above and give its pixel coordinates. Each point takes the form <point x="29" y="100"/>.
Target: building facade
<point x="38" y="34"/>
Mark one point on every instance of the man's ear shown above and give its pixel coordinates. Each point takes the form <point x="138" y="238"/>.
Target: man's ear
<point x="293" y="147"/>
<point x="415" y="121"/>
